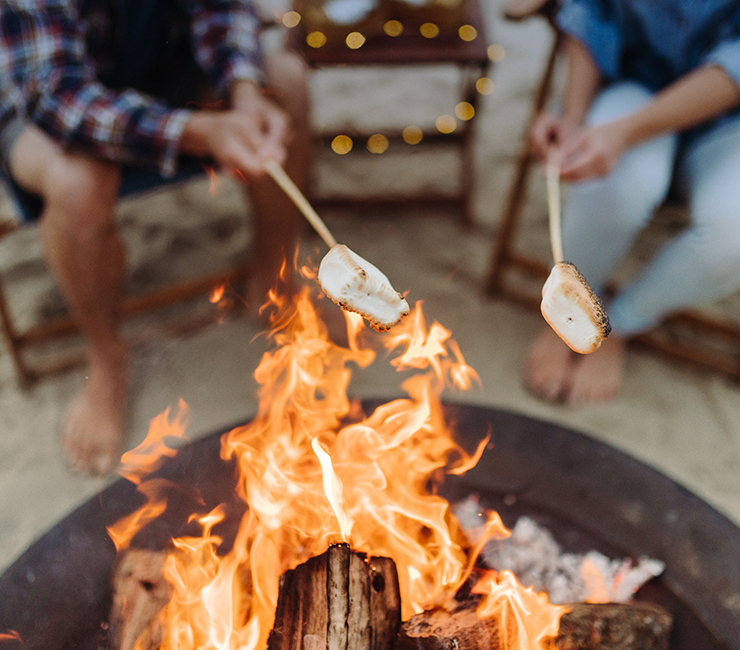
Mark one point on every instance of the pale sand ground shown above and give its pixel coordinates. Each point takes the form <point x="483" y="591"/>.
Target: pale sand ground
<point x="684" y="422"/>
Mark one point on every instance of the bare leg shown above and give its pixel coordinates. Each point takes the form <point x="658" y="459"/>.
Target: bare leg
<point x="597" y="377"/>
<point x="278" y="223"/>
<point x="549" y="365"/>
<point x="85" y="254"/>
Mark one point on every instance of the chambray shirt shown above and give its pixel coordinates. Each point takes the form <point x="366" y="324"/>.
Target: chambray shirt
<point x="53" y="54"/>
<point x="654" y="42"/>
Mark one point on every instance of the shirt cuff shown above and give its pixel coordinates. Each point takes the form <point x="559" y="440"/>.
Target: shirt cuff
<point x="241" y="69"/>
<point x="599" y="34"/>
<point x="727" y="56"/>
<point x="168" y="161"/>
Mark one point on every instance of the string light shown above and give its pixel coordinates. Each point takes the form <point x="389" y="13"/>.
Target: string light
<point x="354" y="40"/>
<point x="377" y="143"/>
<point x="316" y="39"/>
<point x="342" y="144"/>
<point x="484" y="86"/>
<point x="467" y="33"/>
<point x="429" y="30"/>
<point x="412" y="135"/>
<point x="496" y="52"/>
<point x="393" y="28"/>
<point x="446" y="124"/>
<point x="464" y="111"/>
<point x="291" y="19"/>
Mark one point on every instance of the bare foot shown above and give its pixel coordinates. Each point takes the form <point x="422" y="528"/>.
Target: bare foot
<point x="597" y="377"/>
<point x="94" y="428"/>
<point x="548" y="366"/>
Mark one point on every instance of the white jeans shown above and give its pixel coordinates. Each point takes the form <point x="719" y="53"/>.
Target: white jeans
<point x="602" y="217"/>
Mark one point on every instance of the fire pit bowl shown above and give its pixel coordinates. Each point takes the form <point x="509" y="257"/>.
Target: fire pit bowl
<point x="57" y="594"/>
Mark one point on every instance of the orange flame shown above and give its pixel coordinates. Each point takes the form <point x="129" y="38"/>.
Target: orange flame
<point x="527" y="620"/>
<point x="213" y="179"/>
<point x="11" y="635"/>
<point x="314" y="471"/>
<point x="217" y="293"/>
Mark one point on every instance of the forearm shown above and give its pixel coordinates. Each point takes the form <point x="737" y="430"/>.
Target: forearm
<point x="693" y="99"/>
<point x="582" y="82"/>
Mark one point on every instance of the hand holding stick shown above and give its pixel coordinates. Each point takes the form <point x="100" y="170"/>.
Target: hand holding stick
<point x="569" y="304"/>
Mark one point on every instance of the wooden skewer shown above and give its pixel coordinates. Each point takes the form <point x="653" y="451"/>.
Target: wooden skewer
<point x="553" y="208"/>
<point x="291" y="189"/>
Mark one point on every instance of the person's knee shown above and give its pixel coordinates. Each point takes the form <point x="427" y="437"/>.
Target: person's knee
<point x="82" y="192"/>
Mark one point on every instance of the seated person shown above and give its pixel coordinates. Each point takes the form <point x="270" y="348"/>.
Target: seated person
<point x="651" y="98"/>
<point x="87" y="87"/>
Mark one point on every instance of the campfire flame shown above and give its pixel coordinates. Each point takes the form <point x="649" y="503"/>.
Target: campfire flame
<point x="314" y="473"/>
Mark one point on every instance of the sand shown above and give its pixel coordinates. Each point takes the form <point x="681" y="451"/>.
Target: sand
<point x="684" y="422"/>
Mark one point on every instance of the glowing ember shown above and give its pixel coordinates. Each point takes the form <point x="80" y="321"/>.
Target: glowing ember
<point x="217" y="293"/>
<point x="314" y="471"/>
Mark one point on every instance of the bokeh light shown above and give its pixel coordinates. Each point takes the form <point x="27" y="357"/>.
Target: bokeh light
<point x="446" y="124"/>
<point x="412" y="135"/>
<point x="484" y="86"/>
<point x="354" y="40"/>
<point x="496" y="52"/>
<point x="464" y="111"/>
<point x="291" y="18"/>
<point x="467" y="33"/>
<point x="393" y="28"/>
<point x="316" y="39"/>
<point x="429" y="30"/>
<point x="377" y="143"/>
<point x="342" y="144"/>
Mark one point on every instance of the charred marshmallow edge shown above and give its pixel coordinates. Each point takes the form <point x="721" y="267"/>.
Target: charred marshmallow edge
<point x="358" y="286"/>
<point x="573" y="310"/>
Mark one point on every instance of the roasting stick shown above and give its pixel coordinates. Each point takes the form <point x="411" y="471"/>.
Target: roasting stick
<point x="552" y="174"/>
<point x="569" y="304"/>
<point x="291" y="189"/>
<point x="348" y="279"/>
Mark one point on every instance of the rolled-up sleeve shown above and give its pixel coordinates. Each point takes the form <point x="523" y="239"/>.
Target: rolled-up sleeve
<point x="226" y="41"/>
<point x="726" y="55"/>
<point x="590" y="22"/>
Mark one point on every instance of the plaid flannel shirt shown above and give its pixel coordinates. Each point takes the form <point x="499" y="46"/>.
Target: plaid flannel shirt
<point x="51" y="53"/>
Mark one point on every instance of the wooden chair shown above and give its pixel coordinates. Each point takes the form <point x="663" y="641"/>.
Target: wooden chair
<point x="406" y="50"/>
<point x="21" y="341"/>
<point x="697" y="336"/>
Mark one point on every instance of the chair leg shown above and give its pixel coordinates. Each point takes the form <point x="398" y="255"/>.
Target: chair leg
<point x="25" y="375"/>
<point x="502" y="253"/>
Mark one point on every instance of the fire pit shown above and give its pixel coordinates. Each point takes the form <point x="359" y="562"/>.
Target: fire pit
<point x="57" y="595"/>
<point x="246" y="517"/>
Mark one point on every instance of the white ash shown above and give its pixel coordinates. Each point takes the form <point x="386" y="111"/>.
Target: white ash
<point x="538" y="561"/>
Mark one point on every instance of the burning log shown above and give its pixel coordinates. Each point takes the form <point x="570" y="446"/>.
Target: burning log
<point x="611" y="626"/>
<point x="341" y="600"/>
<point x="139" y="594"/>
<point x="615" y="626"/>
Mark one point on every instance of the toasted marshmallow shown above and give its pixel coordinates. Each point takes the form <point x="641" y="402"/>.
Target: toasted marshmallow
<point x="573" y="310"/>
<point x="356" y="285"/>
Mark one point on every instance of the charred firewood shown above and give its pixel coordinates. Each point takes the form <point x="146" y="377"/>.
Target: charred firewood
<point x="615" y="626"/>
<point x="612" y="626"/>
<point x="457" y="628"/>
<point x="139" y="595"/>
<point x="339" y="600"/>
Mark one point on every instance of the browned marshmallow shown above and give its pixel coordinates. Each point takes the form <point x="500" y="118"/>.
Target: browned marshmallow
<point x="573" y="310"/>
<point x="356" y="285"/>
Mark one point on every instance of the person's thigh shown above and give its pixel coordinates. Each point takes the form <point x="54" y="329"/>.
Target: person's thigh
<point x="80" y="186"/>
<point x="709" y="174"/>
